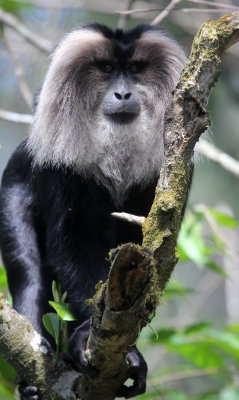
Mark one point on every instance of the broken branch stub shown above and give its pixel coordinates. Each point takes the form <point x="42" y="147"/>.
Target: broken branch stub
<point x="122" y="307"/>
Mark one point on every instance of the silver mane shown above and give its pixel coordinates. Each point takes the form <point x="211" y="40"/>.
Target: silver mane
<point x="70" y="129"/>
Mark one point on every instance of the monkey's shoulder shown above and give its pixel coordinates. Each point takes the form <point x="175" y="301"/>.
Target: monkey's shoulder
<point x="19" y="165"/>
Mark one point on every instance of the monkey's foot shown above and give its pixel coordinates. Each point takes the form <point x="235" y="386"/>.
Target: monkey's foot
<point x="138" y="372"/>
<point x="77" y="346"/>
<point x="26" y="392"/>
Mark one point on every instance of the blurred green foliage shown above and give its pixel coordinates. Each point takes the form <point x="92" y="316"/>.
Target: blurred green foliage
<point x="15" y="6"/>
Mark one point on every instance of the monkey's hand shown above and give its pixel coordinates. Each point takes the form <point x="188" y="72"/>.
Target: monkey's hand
<point x="138" y="372"/>
<point x="26" y="392"/>
<point x="77" y="346"/>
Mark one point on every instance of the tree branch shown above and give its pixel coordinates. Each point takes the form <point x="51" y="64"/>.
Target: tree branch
<point x="38" y="41"/>
<point x="16" y="117"/>
<point x="31" y="356"/>
<point x="212" y="153"/>
<point x="121" y="309"/>
<point x="188" y="120"/>
<point x="165" y="12"/>
<point x="20" y="74"/>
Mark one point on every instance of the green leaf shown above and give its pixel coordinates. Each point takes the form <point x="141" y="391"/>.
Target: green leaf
<point x="14" y="6"/>
<point x="191" y="243"/>
<point x="223" y="219"/>
<point x="201" y="354"/>
<point x="7" y="376"/>
<point x="164" y="334"/>
<point x="175" y="287"/>
<point x="226" y="341"/>
<point x="219" y="244"/>
<point x="153" y="395"/>
<point x="176" y="395"/>
<point x="50" y="322"/>
<point x="196" y="347"/>
<point x="234" y="328"/>
<point x="182" y="255"/>
<point x="63" y="310"/>
<point x="216" y="268"/>
<point x="3" y="278"/>
<point x="5" y="393"/>
<point x="197" y="327"/>
<point x="6" y="370"/>
<point x="208" y="396"/>
<point x="56" y="291"/>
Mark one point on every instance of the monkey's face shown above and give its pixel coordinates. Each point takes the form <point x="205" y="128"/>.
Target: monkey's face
<point x="124" y="76"/>
<point x="117" y="74"/>
<point x="101" y="108"/>
<point x="121" y="103"/>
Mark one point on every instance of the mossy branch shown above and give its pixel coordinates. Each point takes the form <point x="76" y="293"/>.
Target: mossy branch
<point x="122" y="307"/>
<point x="138" y="274"/>
<point x="188" y="119"/>
<point x="32" y="357"/>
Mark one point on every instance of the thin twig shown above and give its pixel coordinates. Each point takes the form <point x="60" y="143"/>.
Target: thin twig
<point x="38" y="41"/>
<point x="123" y="17"/>
<point x="165" y="12"/>
<point x="219" y="8"/>
<point x="138" y="10"/>
<point x="214" y="4"/>
<point x="16" y="117"/>
<point x="204" y="10"/>
<point x="218" y="156"/>
<point x="129" y="218"/>
<point x="20" y="74"/>
<point x="185" y="375"/>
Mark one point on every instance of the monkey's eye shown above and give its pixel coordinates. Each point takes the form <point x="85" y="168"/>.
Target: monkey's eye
<point x="136" y="67"/>
<point x="106" y="67"/>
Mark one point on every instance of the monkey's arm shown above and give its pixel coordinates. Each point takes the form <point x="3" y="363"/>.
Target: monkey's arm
<point x="19" y="240"/>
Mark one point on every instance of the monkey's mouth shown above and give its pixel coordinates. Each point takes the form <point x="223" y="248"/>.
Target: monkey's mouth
<point x="122" y="117"/>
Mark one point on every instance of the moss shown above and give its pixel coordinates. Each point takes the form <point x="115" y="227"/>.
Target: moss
<point x="161" y="227"/>
<point x="98" y="288"/>
<point x="160" y="220"/>
<point x="153" y="295"/>
<point x="2" y="301"/>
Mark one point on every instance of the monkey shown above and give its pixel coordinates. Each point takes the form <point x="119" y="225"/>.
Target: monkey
<point x="96" y="146"/>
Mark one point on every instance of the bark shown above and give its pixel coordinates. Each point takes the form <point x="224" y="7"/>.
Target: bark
<point x="126" y="302"/>
<point x="32" y="357"/>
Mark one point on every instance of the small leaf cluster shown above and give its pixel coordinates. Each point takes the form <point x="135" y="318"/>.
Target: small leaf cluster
<point x="55" y="323"/>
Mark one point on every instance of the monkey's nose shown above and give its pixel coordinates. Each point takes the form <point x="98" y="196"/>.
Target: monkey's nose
<point x="122" y="96"/>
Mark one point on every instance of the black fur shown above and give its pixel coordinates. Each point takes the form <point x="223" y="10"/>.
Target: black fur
<point x="124" y="40"/>
<point x="56" y="225"/>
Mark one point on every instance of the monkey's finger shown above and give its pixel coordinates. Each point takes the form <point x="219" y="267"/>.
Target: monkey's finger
<point x="86" y="368"/>
<point x="137" y="372"/>
<point x="137" y="365"/>
<point x="81" y="364"/>
<point x="131" y="391"/>
<point x="28" y="392"/>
